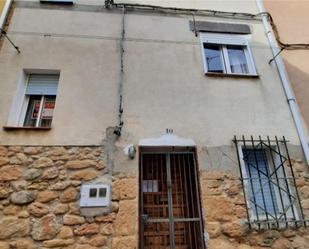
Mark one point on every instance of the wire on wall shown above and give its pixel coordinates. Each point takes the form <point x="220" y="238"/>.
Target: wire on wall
<point x="118" y="128"/>
<point x="205" y="12"/>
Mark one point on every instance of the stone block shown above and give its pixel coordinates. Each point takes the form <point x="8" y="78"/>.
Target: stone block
<point x="23" y="244"/>
<point x="23" y="197"/>
<point x="84" y="175"/>
<point x="12" y="227"/>
<point x="124" y="242"/>
<point x="9" y="173"/>
<point x="69" y="219"/>
<point x="50" y="173"/>
<point x="125" y="223"/>
<point x="4" y="161"/>
<point x="220" y="243"/>
<point x="38" y="209"/>
<point x="45" y="228"/>
<point x="42" y="162"/>
<point x="46" y="196"/>
<point x="225" y="212"/>
<point x="123" y="189"/>
<point x="87" y="229"/>
<point x="81" y="164"/>
<point x="65" y="233"/>
<point x="60" y="243"/>
<point x="98" y="240"/>
<point x="213" y="229"/>
<point x="61" y="208"/>
<point x="234" y="229"/>
<point x="69" y="195"/>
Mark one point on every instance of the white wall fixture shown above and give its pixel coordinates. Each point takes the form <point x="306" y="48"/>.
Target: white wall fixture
<point x="95" y="195"/>
<point x="130" y="151"/>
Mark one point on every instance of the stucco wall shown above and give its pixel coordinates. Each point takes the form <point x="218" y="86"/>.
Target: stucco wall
<point x="292" y="29"/>
<point x="164" y="83"/>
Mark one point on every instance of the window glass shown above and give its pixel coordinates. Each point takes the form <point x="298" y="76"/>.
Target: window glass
<point x="48" y="111"/>
<point x="237" y="59"/>
<point x="213" y="56"/>
<point x="261" y="188"/>
<point x="32" y="110"/>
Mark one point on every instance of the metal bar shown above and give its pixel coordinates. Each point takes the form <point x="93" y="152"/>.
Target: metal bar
<point x="195" y="170"/>
<point x="191" y="195"/>
<point x="181" y="188"/>
<point x="186" y="195"/>
<point x="272" y="221"/>
<point x="142" y="202"/>
<point x="277" y="179"/>
<point x="269" y="180"/>
<point x="170" y="201"/>
<point x="257" y="140"/>
<point x="175" y="179"/>
<point x="280" y="178"/>
<point x="163" y="190"/>
<point x="260" y="181"/>
<point x="162" y="152"/>
<point x="293" y="176"/>
<point x="251" y="184"/>
<point x="286" y="182"/>
<point x="242" y="182"/>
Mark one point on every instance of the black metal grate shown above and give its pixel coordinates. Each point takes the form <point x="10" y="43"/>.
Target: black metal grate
<point x="268" y="183"/>
<point x="169" y="202"/>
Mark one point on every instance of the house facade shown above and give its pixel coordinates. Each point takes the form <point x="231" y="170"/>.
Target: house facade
<point x="149" y="124"/>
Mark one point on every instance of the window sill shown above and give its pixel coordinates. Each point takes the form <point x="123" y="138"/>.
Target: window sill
<point x="253" y="76"/>
<point x="11" y="128"/>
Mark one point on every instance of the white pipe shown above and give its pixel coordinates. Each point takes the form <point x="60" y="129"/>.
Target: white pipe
<point x="285" y="81"/>
<point x="5" y="12"/>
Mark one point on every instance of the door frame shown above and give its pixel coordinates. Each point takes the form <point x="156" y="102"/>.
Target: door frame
<point x="167" y="150"/>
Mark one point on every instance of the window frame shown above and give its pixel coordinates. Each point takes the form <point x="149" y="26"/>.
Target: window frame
<point x="25" y="104"/>
<point x="252" y="212"/>
<point x="224" y="40"/>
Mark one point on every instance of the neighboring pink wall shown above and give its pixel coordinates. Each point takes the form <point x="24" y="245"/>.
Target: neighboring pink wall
<point x="292" y="21"/>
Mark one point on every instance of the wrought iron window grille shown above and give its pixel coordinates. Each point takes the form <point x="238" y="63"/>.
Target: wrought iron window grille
<point x="269" y="185"/>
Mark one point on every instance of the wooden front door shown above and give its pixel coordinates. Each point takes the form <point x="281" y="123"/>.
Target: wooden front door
<point x="169" y="202"/>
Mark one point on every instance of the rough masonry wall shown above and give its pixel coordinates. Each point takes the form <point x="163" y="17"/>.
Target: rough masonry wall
<point x="225" y="215"/>
<point x="39" y="193"/>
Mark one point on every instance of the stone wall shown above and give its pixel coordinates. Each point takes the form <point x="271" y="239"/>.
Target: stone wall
<point x="39" y="194"/>
<point x="225" y="214"/>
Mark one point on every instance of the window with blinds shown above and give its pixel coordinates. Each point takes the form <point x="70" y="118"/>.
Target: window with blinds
<point x="40" y="100"/>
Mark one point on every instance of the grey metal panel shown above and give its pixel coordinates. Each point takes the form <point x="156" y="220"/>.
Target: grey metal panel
<point x="42" y="84"/>
<point x="219" y="27"/>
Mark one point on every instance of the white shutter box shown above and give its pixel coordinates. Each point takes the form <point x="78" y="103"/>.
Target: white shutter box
<point x="42" y="84"/>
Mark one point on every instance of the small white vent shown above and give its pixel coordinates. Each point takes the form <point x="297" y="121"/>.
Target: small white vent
<point x="96" y="195"/>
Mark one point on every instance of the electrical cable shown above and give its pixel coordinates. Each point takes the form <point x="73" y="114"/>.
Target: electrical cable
<point x="225" y="14"/>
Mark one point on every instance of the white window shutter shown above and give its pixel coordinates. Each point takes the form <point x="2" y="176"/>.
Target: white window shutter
<point x="42" y="84"/>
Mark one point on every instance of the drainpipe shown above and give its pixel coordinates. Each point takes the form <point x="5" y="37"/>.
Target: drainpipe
<point x="5" y="13"/>
<point x="285" y="81"/>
